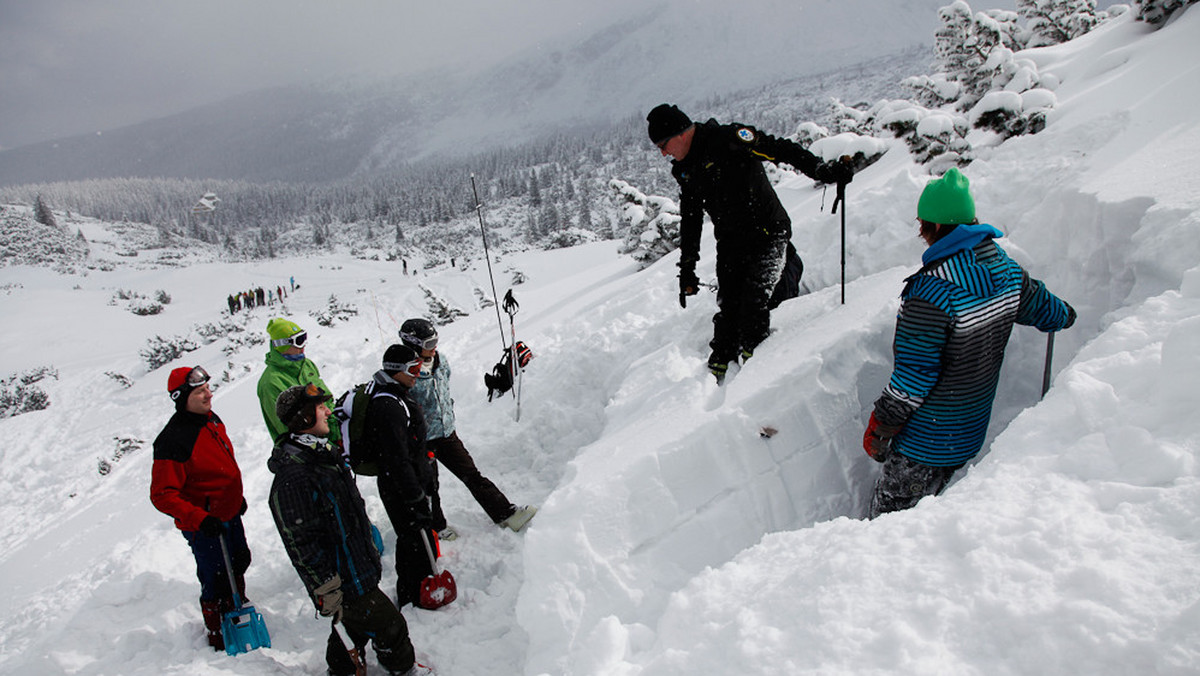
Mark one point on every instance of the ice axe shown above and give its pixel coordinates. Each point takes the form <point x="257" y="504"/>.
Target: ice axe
<point x="242" y="628"/>
<point x="439" y="588"/>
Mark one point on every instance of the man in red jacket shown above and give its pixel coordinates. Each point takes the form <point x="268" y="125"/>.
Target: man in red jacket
<point x="195" y="479"/>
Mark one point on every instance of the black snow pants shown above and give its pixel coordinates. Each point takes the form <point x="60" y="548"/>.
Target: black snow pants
<point x="451" y="453"/>
<point x="747" y="271"/>
<point x="373" y="617"/>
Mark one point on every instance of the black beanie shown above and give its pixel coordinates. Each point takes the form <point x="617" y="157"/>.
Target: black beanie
<point x="666" y="120"/>
<point x="397" y="356"/>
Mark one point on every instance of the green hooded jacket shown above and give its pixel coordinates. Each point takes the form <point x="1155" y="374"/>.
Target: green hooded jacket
<point x="281" y="374"/>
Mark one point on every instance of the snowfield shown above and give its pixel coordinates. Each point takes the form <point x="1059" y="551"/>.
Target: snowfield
<point x="673" y="537"/>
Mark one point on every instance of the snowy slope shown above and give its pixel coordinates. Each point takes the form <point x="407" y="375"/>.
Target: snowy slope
<point x="674" y="539"/>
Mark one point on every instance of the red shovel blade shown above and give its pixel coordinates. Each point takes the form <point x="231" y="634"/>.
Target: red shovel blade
<point x="438" y="590"/>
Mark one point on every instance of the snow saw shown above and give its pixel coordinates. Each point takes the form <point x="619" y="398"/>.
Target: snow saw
<point x="242" y="628"/>
<point x="438" y="589"/>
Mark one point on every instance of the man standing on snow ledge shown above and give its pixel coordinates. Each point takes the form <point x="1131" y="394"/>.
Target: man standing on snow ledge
<point x="955" y="318"/>
<point x="719" y="170"/>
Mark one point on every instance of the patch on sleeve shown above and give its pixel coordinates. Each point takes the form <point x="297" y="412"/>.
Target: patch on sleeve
<point x="746" y="135"/>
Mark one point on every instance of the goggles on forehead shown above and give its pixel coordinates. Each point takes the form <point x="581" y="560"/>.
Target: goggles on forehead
<point x="429" y="343"/>
<point x="195" y="378"/>
<point x="297" y="340"/>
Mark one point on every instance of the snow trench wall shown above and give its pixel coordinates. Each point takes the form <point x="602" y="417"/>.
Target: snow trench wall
<point x="681" y="480"/>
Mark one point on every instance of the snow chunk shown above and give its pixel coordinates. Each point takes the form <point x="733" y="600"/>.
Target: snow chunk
<point x="848" y="144"/>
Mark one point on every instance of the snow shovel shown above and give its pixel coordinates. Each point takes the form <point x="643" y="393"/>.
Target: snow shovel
<point x="242" y="628"/>
<point x="438" y="589"/>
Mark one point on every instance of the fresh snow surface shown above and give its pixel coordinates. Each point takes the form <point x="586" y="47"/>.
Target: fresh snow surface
<point x="672" y="538"/>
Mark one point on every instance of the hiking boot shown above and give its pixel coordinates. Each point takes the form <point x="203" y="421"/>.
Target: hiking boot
<point x="718" y="369"/>
<point x="447" y="534"/>
<point x="517" y="520"/>
<point x="746" y="354"/>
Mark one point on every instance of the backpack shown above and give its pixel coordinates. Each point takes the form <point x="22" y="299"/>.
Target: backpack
<point x="500" y="380"/>
<point x="351" y="412"/>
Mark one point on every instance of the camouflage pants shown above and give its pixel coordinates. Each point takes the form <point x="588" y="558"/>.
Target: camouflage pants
<point x="904" y="482"/>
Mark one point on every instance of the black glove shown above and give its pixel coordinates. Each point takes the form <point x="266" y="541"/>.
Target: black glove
<point x="211" y="526"/>
<point x="840" y="171"/>
<point x="242" y="511"/>
<point x="1071" y="316"/>
<point x="689" y="284"/>
<point x="420" y="515"/>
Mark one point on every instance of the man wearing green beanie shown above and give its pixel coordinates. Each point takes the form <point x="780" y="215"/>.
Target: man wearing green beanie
<point x="287" y="366"/>
<point x="955" y="318"/>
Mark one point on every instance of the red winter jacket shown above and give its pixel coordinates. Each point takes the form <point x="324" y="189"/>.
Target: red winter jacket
<point x="194" y="473"/>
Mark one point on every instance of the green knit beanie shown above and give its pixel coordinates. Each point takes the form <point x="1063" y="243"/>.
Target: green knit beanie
<point x="280" y="329"/>
<point x="947" y="200"/>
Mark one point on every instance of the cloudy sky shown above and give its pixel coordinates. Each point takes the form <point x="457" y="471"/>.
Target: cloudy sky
<point x="84" y="66"/>
<point x="81" y="66"/>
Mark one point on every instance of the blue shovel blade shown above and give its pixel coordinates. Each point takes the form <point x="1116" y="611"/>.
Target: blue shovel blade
<point x="244" y="630"/>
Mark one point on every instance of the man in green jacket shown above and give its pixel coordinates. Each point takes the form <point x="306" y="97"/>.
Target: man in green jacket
<point x="287" y="366"/>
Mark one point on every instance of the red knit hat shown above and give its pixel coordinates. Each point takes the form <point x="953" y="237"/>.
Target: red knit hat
<point x="178" y="377"/>
<point x="181" y="382"/>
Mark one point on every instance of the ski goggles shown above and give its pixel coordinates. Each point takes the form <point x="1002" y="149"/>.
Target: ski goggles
<point x="195" y="378"/>
<point x="296" y="340"/>
<point x="412" y="368"/>
<point x="429" y="343"/>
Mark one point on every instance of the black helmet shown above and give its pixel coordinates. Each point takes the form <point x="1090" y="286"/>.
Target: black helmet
<point x="419" y="333"/>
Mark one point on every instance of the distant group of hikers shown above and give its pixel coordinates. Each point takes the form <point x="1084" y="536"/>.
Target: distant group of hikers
<point x="406" y="429"/>
<point x="956" y="314"/>
<point x="258" y="297"/>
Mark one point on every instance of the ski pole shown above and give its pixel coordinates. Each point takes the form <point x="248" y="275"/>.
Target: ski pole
<point x="510" y="308"/>
<point x="841" y="199"/>
<point x="487" y="256"/>
<point x="1049" y="360"/>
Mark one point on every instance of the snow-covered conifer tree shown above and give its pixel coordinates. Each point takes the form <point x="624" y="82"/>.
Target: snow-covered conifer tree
<point x="1156" y="12"/>
<point x="1051" y="22"/>
<point x="43" y="214"/>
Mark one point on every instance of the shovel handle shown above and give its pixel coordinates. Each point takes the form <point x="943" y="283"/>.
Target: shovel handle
<point x="429" y="550"/>
<point x="237" y="599"/>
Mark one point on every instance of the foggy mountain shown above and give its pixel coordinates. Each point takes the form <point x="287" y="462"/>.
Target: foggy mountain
<point x="679" y="51"/>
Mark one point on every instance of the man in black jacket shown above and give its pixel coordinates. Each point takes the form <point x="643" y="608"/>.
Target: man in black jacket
<point x="323" y="522"/>
<point x="395" y="427"/>
<point x="719" y="170"/>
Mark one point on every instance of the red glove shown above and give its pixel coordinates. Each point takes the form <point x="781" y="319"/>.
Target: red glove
<point x="877" y="440"/>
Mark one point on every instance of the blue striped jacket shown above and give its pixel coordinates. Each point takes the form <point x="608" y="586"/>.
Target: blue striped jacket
<point x="955" y="319"/>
